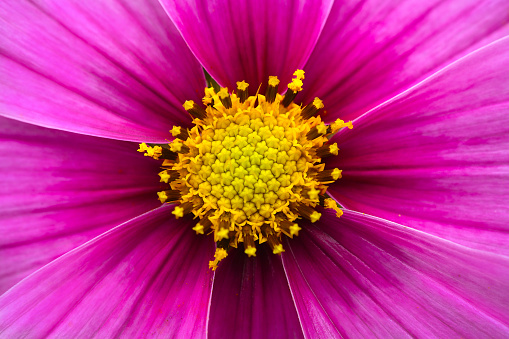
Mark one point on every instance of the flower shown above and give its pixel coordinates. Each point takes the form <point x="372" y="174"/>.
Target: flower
<point x="421" y="249"/>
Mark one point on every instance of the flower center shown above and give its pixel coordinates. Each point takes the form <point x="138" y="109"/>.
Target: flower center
<point x="250" y="167"/>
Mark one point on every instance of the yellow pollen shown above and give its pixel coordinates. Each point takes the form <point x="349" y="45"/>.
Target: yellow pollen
<point x="176" y="130"/>
<point x="273" y="81"/>
<point x="162" y="196"/>
<point x="188" y="105"/>
<point x="334" y="150"/>
<point x="178" y="212"/>
<point x="223" y="93"/>
<point x="294" y="229"/>
<point x="330" y="203"/>
<point x="295" y="85"/>
<point x="336" y="174"/>
<point x="318" y="103"/>
<point x="250" y="251"/>
<point x="299" y="74"/>
<point x="198" y="229"/>
<point x="242" y="85"/>
<point x="250" y="168"/>
<point x="164" y="176"/>
<point x="278" y="249"/>
<point x="315" y="216"/>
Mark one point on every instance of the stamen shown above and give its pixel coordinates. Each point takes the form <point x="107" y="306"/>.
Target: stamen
<point x="251" y="167"/>
<point x="242" y="91"/>
<point x="271" y="92"/>
<point x="327" y="150"/>
<point x="225" y="98"/>
<point x="329" y="175"/>
<point x="312" y="109"/>
<point x="179" y="132"/>
<point x="195" y="110"/>
<point x="183" y="209"/>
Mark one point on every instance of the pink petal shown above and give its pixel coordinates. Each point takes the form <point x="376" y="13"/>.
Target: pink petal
<point x="359" y="276"/>
<point x="239" y="40"/>
<point x="114" y="68"/>
<point x="371" y="50"/>
<point x="147" y="277"/>
<point x="59" y="190"/>
<point x="436" y="157"/>
<point x="251" y="298"/>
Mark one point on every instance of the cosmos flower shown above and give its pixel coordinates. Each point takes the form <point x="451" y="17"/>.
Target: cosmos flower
<point x="87" y="250"/>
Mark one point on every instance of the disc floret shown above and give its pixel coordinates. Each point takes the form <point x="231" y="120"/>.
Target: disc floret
<point x="251" y="166"/>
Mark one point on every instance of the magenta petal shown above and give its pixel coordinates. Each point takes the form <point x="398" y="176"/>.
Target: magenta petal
<point x="249" y="40"/>
<point x="115" y="68"/>
<point x="436" y="157"/>
<point x="371" y="50"/>
<point x="359" y="276"/>
<point x="147" y="277"/>
<point x="251" y="298"/>
<point x="59" y="190"/>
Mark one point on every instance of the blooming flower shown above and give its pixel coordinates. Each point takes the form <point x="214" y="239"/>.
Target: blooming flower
<point x="87" y="250"/>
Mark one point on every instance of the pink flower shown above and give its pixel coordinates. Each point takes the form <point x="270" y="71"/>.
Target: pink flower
<point x="86" y="250"/>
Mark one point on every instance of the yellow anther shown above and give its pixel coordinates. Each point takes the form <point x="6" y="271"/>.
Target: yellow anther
<point x="176" y="146"/>
<point x="242" y="85"/>
<point x="334" y="149"/>
<point x="273" y="81"/>
<point x="299" y="74"/>
<point x="278" y="249"/>
<point x="313" y="194"/>
<point x="176" y="130"/>
<point x="198" y="228"/>
<point x="164" y="176"/>
<point x="219" y="255"/>
<point x="178" y="212"/>
<point x="162" y="196"/>
<point x="315" y="216"/>
<point x="222" y="234"/>
<point x="143" y="147"/>
<point x="331" y="204"/>
<point x="295" y="85"/>
<point x="294" y="229"/>
<point x="318" y="103"/>
<point x="250" y="251"/>
<point x="336" y="173"/>
<point x="189" y="104"/>
<point x="223" y="93"/>
<point x="338" y="124"/>
<point x="321" y="128"/>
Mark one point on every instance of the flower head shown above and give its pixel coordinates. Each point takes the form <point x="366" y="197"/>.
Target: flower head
<point x="420" y="248"/>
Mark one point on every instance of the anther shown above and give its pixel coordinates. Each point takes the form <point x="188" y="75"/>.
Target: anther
<point x="204" y="225"/>
<point x="270" y="93"/>
<point x="242" y="91"/>
<point x="179" y="147"/>
<point x="289" y="228"/>
<point x="329" y="175"/>
<point x="168" y="155"/>
<point x="273" y="241"/>
<point x="327" y="150"/>
<point x="196" y="111"/>
<point x="168" y="196"/>
<point x="337" y="125"/>
<point x="312" y="108"/>
<point x="317" y="131"/>
<point x="249" y="244"/>
<point x="307" y="212"/>
<point x="183" y="209"/>
<point x="225" y="98"/>
<point x="179" y="132"/>
<point x="222" y="231"/>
